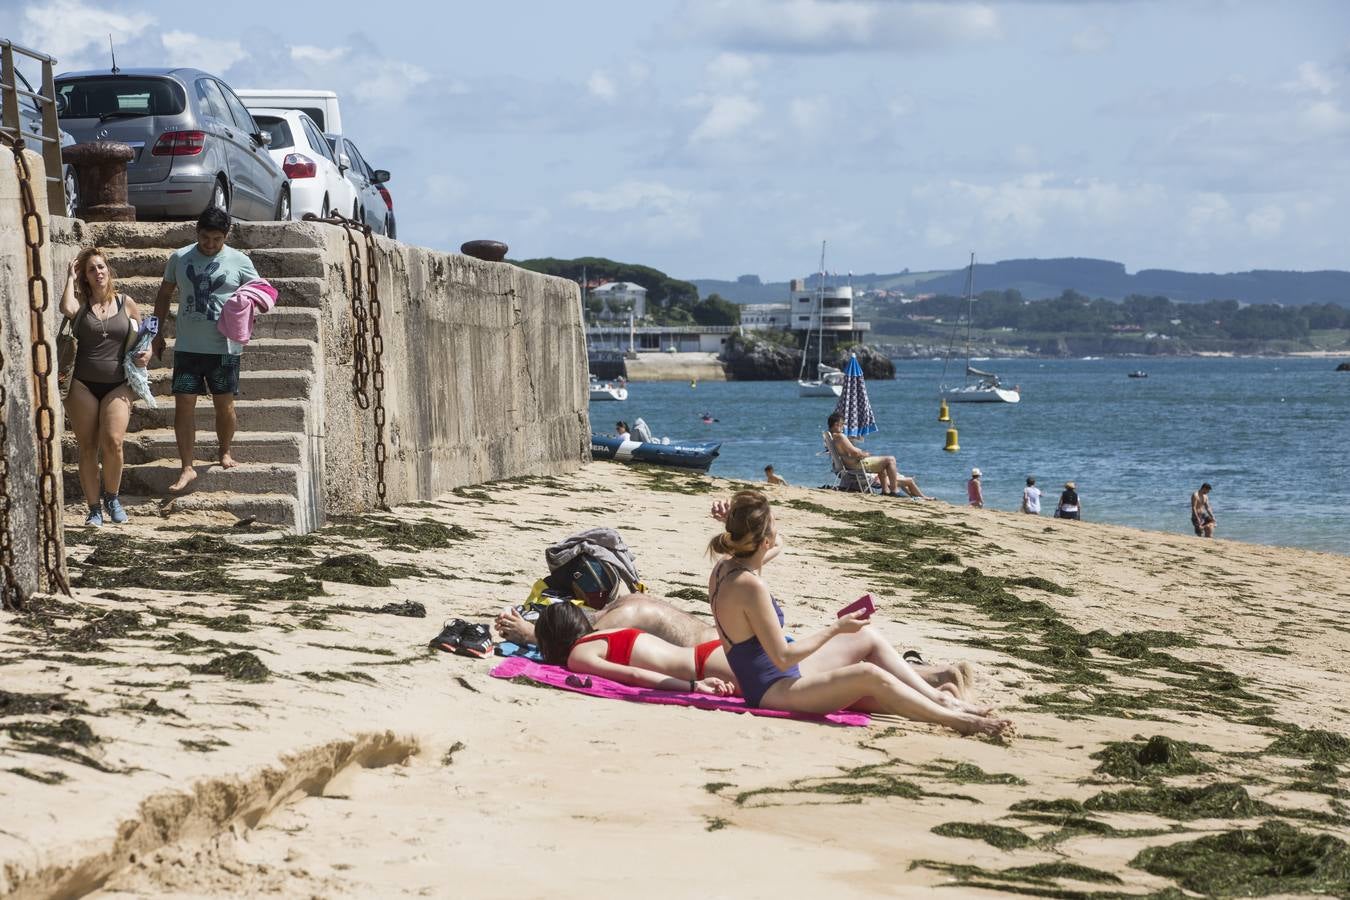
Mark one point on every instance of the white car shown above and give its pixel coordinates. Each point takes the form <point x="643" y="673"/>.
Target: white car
<point x="318" y="184"/>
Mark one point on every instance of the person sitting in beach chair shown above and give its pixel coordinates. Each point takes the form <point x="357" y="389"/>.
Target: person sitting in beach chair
<point x="630" y="656"/>
<point x="842" y="666"/>
<point x="892" y="482"/>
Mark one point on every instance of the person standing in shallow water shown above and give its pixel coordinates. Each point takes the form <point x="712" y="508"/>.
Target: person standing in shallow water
<point x="204" y="274"/>
<point x="1202" y="516"/>
<point x="974" y="490"/>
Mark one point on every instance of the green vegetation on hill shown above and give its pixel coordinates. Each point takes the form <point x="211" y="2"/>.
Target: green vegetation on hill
<point x="669" y="300"/>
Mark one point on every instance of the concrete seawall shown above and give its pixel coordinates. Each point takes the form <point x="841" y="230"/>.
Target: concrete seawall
<point x="484" y="372"/>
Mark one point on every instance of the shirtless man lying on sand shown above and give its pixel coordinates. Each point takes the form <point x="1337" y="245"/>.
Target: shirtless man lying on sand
<point x="656" y="616"/>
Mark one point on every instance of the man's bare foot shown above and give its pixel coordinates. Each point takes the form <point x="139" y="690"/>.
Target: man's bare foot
<point x="513" y="627"/>
<point x="227" y="461"/>
<point x="967" y="676"/>
<point x="185" y="477"/>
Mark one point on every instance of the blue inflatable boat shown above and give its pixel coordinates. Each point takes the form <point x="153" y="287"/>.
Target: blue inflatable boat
<point x="697" y="455"/>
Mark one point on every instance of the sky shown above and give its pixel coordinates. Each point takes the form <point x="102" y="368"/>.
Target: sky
<point x="715" y="138"/>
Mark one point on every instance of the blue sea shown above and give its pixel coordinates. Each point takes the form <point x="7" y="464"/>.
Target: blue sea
<point x="1271" y="435"/>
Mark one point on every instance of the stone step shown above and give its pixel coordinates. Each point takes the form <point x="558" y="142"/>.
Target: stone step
<point x="291" y="292"/>
<point x="252" y="415"/>
<point x="160" y="444"/>
<point x="264" y="384"/>
<point x="173" y="235"/>
<point x="264" y="354"/>
<point x="155" y="477"/>
<point x="303" y="262"/>
<point x="282" y="322"/>
<point x="270" y="509"/>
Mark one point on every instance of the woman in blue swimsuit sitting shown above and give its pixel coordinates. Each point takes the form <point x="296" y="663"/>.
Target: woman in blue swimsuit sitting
<point x="841" y="666"/>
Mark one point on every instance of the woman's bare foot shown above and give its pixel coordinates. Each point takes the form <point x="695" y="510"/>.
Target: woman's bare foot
<point x="1002" y="729"/>
<point x="227" y="461"/>
<point x="512" y="626"/>
<point x="185" y="477"/>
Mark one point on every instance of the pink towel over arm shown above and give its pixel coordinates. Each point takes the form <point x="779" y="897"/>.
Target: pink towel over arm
<point x="244" y="305"/>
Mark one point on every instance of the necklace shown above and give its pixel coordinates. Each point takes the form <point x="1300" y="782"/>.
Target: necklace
<point x="102" y="322"/>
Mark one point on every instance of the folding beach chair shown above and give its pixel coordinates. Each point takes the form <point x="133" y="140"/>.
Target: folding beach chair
<point x="860" y="480"/>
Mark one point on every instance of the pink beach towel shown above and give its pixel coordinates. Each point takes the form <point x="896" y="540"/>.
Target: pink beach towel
<point x="237" y="315"/>
<point x="555" y="676"/>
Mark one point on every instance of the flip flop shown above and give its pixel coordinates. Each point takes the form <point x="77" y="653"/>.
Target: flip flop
<point x="448" y="639"/>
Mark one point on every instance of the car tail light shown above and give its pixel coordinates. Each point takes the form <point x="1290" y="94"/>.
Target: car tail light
<point x="180" y="143"/>
<point x="388" y="200"/>
<point x="297" y="165"/>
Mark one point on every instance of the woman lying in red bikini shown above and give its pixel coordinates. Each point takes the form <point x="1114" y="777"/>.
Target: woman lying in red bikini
<point x="629" y="656"/>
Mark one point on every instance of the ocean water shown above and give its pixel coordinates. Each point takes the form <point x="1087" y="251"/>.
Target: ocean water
<point x="1271" y="435"/>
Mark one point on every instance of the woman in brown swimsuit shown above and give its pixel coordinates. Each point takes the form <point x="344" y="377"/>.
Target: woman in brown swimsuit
<point x="99" y="402"/>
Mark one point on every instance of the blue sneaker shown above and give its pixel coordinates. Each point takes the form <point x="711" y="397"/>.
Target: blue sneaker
<point x="114" y="507"/>
<point x="95" y="517"/>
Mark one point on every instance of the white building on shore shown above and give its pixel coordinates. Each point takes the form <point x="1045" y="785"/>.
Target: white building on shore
<point x="621" y="297"/>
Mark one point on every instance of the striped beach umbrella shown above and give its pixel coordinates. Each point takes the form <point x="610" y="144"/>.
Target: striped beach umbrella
<point x="853" y="403"/>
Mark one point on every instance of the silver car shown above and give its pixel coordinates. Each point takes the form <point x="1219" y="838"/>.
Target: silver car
<point x="195" y="143"/>
<point x="371" y="207"/>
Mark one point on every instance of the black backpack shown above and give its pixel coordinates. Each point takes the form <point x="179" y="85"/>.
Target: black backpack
<point x="592" y="581"/>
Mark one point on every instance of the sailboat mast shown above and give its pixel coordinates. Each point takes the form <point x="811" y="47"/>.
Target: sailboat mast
<point x="970" y="307"/>
<point x="820" y="314"/>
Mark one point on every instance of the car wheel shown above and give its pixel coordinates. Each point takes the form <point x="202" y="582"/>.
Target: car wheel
<point x="220" y="196"/>
<point x="324" y="210"/>
<point x="356" y="212"/>
<point x="283" y="211"/>
<point x="72" y="186"/>
<point x="389" y="228"/>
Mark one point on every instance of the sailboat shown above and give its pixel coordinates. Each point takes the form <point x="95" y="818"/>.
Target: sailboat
<point x="829" y="381"/>
<point x="988" y="388"/>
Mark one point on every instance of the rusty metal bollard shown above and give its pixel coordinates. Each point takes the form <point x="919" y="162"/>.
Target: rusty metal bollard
<point x="101" y="167"/>
<point x="491" y="251"/>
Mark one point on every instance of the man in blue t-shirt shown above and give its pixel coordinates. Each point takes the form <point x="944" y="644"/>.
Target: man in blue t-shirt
<point x="204" y="274"/>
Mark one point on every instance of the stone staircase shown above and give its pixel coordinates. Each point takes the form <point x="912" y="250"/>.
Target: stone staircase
<point x="281" y="382"/>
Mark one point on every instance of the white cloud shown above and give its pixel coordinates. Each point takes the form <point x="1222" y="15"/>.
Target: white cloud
<point x="656" y="211"/>
<point x="1312" y="79"/>
<point x="385" y="81"/>
<point x="184" y="48"/>
<point x="730" y="68"/>
<point x="806" y="113"/>
<point x="601" y="86"/>
<point x="837" y="26"/>
<point x="1207" y="212"/>
<point x="302" y="53"/>
<point x="726" y="117"/>
<point x="1093" y="39"/>
<point x="1265" y="222"/>
<point x="1323" y="117"/>
<point x="76" y="33"/>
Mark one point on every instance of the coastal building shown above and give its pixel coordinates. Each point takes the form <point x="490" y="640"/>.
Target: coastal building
<point x="765" y="316"/>
<point x="659" y="338"/>
<point x="620" y="298"/>
<point x="822" y="318"/>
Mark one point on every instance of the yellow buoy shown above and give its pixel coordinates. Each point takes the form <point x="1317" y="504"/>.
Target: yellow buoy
<point x="693" y="382"/>
<point x="952" y="445"/>
<point x="943" y="415"/>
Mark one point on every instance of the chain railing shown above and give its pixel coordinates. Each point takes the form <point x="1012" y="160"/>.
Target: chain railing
<point x="44" y="415"/>
<point x="367" y="342"/>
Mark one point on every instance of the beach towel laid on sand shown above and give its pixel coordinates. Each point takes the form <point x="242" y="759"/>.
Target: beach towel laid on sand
<point x="556" y="676"/>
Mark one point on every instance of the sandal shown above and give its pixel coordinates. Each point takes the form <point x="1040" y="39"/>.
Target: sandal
<point x="913" y="658"/>
<point x="448" y="639"/>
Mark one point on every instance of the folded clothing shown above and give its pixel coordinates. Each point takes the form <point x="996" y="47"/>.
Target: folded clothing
<point x="595" y="686"/>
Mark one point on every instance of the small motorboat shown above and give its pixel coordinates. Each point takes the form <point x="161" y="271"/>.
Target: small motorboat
<point x="608" y="390"/>
<point x="697" y="455"/>
<point x="1139" y="373"/>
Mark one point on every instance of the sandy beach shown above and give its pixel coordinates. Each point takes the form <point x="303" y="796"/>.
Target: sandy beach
<point x="220" y="712"/>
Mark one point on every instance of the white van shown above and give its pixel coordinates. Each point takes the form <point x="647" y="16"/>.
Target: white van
<point x="321" y="106"/>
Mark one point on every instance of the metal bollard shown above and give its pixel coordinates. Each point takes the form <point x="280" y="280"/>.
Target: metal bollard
<point x="491" y="251"/>
<point x="101" y="167"/>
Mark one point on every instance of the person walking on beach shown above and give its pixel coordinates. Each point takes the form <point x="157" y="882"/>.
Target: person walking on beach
<point x="205" y="275"/>
<point x="1202" y="516"/>
<point x="1068" y="507"/>
<point x="1031" y="498"/>
<point x="772" y="478"/>
<point x="974" y="490"/>
<point x="98" y="403"/>
<point x="826" y="670"/>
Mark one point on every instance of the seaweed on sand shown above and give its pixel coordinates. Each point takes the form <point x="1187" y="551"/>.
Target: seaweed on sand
<point x="1159" y="755"/>
<point x="359" y="568"/>
<point x="15" y="704"/>
<point x="689" y="593"/>
<point x="968" y="773"/>
<point x="1037" y="879"/>
<point x="1312" y="742"/>
<point x="1274" y="858"/>
<point x="1227" y="800"/>
<point x="241" y="666"/>
<point x="1000" y="836"/>
<point x="397" y="534"/>
<point x="52" y="739"/>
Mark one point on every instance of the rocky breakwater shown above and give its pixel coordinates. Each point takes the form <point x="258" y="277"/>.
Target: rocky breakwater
<point x="753" y="357"/>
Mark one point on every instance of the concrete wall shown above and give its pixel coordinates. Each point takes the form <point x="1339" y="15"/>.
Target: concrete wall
<point x="16" y="330"/>
<point x="485" y="376"/>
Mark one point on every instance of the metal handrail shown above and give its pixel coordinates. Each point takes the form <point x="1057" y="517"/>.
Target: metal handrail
<point x="12" y="123"/>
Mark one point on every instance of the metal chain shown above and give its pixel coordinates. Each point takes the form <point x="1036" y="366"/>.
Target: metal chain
<point x="368" y="342"/>
<point x="44" y="416"/>
<point x="11" y="595"/>
<point x="377" y="368"/>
